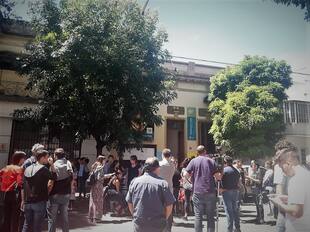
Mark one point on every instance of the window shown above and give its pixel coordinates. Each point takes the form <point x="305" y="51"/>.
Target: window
<point x="296" y="112"/>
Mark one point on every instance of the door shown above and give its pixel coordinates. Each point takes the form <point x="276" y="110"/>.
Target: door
<point x="175" y="138"/>
<point x="205" y="138"/>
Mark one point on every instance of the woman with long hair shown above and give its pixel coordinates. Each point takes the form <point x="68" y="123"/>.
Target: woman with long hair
<point x="187" y="186"/>
<point x="11" y="180"/>
<point x="96" y="198"/>
<point x="115" y="194"/>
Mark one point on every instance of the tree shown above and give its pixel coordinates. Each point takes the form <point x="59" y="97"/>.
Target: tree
<point x="246" y="105"/>
<point x="6" y="8"/>
<point x="303" y="4"/>
<point x="97" y="67"/>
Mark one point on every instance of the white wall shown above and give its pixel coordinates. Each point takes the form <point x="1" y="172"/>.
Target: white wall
<point x="300" y="90"/>
<point x="6" y="112"/>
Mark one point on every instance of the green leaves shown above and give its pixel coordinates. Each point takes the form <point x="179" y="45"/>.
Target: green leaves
<point x="97" y="67"/>
<point x="303" y="4"/>
<point x="246" y="102"/>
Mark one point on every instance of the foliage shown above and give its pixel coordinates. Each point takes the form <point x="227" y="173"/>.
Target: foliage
<point x="97" y="66"/>
<point x="246" y="105"/>
<point x="303" y="4"/>
<point x="6" y="8"/>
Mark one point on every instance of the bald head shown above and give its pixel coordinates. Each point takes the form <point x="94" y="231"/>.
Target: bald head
<point x="151" y="165"/>
<point x="201" y="150"/>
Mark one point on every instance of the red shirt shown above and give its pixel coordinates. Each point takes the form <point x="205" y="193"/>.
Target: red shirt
<point x="10" y="176"/>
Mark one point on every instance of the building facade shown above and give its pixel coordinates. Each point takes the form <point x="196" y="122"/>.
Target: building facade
<point x="297" y="114"/>
<point x="185" y="125"/>
<point x="186" y="120"/>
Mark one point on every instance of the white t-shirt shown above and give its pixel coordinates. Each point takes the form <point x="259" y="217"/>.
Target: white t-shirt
<point x="299" y="193"/>
<point x="278" y="175"/>
<point x="166" y="172"/>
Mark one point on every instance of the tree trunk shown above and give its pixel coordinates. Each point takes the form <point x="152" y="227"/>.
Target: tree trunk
<point x="99" y="147"/>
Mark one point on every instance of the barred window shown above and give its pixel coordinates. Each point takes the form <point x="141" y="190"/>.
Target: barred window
<point x="296" y="112"/>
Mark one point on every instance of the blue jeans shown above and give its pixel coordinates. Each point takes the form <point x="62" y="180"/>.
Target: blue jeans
<point x="34" y="216"/>
<point x="57" y="203"/>
<point x="280" y="226"/>
<point x="204" y="203"/>
<point x="231" y="205"/>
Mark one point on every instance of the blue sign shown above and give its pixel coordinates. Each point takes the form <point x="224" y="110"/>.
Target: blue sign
<point x="191" y="128"/>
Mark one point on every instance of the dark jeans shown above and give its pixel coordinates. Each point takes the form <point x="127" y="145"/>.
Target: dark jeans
<point x="259" y="208"/>
<point x="11" y="213"/>
<point x="176" y="204"/>
<point x="34" y="216"/>
<point x="187" y="202"/>
<point x="204" y="203"/>
<point x="58" y="202"/>
<point x="231" y="199"/>
<point x="82" y="185"/>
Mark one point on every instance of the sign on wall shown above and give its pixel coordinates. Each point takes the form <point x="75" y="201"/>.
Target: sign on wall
<point x="149" y="133"/>
<point x="175" y="110"/>
<point x="3" y="148"/>
<point x="191" y="123"/>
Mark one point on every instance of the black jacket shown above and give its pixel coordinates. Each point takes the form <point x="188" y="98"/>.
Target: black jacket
<point x="36" y="178"/>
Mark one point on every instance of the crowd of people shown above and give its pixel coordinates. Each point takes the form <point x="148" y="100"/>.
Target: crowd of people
<point x="279" y="184"/>
<point x="46" y="186"/>
<point x="35" y="188"/>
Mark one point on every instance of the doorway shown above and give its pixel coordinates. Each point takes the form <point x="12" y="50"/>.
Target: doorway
<point x="205" y="138"/>
<point x="175" y="138"/>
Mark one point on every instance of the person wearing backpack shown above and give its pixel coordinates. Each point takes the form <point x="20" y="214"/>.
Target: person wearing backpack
<point x="60" y="195"/>
<point x="35" y="194"/>
<point x="96" y="198"/>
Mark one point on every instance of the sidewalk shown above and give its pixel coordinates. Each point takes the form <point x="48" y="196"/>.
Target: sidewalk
<point x="78" y="221"/>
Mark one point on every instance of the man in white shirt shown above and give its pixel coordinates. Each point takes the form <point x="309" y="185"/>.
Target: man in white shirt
<point x="167" y="168"/>
<point x="281" y="181"/>
<point x="166" y="171"/>
<point x="297" y="204"/>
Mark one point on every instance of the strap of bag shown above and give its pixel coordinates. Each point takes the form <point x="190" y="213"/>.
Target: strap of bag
<point x="14" y="183"/>
<point x="110" y="182"/>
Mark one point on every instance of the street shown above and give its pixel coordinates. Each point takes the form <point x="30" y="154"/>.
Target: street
<point x="78" y="221"/>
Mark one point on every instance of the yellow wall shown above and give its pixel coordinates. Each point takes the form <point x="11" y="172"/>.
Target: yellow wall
<point x="191" y="96"/>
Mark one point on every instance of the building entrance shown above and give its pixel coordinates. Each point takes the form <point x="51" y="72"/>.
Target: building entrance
<point x="175" y="138"/>
<point x="204" y="137"/>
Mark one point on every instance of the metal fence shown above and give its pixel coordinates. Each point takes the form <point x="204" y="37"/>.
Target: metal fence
<point x="26" y="133"/>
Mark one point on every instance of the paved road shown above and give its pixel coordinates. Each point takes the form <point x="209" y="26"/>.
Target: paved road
<point x="79" y="223"/>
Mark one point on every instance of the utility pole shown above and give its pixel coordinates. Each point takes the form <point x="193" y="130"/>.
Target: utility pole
<point x="144" y="7"/>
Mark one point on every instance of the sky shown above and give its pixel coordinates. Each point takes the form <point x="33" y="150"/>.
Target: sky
<point x="227" y="30"/>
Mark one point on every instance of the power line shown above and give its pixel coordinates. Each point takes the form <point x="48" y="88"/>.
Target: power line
<point x="225" y="63"/>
